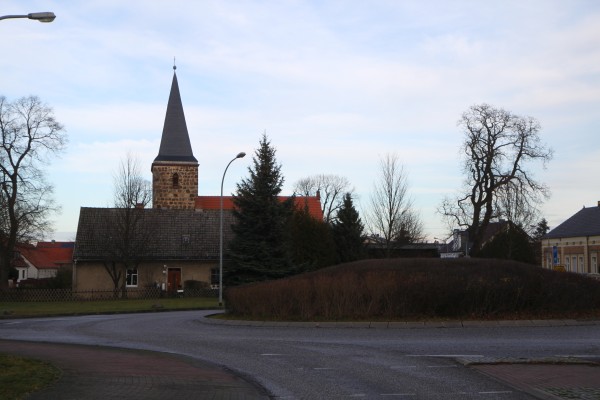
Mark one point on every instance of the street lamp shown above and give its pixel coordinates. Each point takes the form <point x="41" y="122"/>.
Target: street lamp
<point x="240" y="155"/>
<point x="39" y="16"/>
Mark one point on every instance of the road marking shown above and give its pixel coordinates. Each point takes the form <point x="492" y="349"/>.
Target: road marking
<point x="496" y="392"/>
<point x="578" y="356"/>
<point x="12" y="323"/>
<point x="442" y="366"/>
<point x="445" y="355"/>
<point x="402" y="366"/>
<point x="272" y="354"/>
<point x="398" y="394"/>
<point x="322" y="368"/>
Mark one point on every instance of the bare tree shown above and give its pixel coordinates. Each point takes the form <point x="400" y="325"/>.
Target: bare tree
<point x="30" y="136"/>
<point x="331" y="190"/>
<point x="130" y="188"/>
<point x="125" y="245"/>
<point x="497" y="147"/>
<point x="392" y="215"/>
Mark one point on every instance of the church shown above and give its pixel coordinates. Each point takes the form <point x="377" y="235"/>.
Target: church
<point x="175" y="241"/>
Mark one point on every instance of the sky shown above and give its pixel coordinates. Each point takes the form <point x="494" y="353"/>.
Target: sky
<point x="336" y="86"/>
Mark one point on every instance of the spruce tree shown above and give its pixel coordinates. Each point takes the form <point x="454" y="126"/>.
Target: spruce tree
<point x="311" y="242"/>
<point x="348" y="232"/>
<point x="258" y="249"/>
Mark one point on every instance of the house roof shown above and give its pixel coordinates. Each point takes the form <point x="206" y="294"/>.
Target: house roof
<point x="214" y="203"/>
<point x="585" y="222"/>
<point x="170" y="234"/>
<point x="48" y="255"/>
<point x="175" y="145"/>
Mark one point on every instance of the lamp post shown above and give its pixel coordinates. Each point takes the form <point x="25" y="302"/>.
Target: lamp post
<point x="39" y="16"/>
<point x="240" y="155"/>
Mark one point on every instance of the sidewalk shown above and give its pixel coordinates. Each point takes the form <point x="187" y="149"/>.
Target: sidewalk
<point x="92" y="372"/>
<point x="547" y="379"/>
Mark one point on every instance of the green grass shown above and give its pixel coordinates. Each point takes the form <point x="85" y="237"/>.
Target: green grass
<point x="21" y="376"/>
<point x="38" y="309"/>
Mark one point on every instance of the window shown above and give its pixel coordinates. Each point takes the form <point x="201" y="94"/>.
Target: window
<point x="132" y="277"/>
<point x="594" y="264"/>
<point x="175" y="180"/>
<point x="568" y="263"/>
<point x="581" y="265"/>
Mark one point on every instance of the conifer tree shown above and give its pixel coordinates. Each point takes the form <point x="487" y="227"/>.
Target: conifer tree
<point x="259" y="246"/>
<point x="348" y="232"/>
<point x="311" y="242"/>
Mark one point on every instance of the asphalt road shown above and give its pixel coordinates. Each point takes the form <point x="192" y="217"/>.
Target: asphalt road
<point x="327" y="363"/>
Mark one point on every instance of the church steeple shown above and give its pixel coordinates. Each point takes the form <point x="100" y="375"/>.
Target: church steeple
<point x="175" y="169"/>
<point x="175" y="143"/>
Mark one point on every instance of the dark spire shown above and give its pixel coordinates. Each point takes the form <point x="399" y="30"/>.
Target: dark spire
<point x="175" y="142"/>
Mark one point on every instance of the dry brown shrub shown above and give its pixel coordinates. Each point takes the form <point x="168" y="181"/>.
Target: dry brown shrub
<point x="417" y="289"/>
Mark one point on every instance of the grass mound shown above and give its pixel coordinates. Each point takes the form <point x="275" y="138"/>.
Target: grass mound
<point x="396" y="289"/>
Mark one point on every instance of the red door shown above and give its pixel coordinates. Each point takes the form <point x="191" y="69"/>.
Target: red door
<point x="174" y="280"/>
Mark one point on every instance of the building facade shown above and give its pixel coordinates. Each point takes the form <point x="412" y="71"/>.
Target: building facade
<point x="174" y="242"/>
<point x="574" y="245"/>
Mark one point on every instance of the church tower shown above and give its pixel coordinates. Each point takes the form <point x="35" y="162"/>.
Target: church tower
<point x="175" y="169"/>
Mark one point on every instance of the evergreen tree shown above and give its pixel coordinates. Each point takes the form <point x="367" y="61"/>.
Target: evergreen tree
<point x="258" y="249"/>
<point x="348" y="232"/>
<point x="512" y="243"/>
<point x="311" y="242"/>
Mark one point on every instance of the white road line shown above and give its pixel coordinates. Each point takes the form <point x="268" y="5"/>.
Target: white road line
<point x="442" y="366"/>
<point x="272" y="354"/>
<point x="445" y="355"/>
<point x="322" y="368"/>
<point x="398" y="394"/>
<point x="578" y="356"/>
<point x="402" y="366"/>
<point x="496" y="392"/>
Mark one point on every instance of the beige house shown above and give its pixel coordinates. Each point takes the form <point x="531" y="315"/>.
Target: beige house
<point x="575" y="244"/>
<point x="177" y="240"/>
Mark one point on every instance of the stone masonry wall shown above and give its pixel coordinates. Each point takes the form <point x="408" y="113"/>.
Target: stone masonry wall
<point x="177" y="194"/>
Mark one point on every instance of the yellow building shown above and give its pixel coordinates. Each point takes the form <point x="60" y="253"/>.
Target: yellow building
<point x="575" y="244"/>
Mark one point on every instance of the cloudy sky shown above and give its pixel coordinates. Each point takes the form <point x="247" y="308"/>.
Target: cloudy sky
<point x="335" y="84"/>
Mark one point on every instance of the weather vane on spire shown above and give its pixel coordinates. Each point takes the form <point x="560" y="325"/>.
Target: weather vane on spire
<point x="174" y="66"/>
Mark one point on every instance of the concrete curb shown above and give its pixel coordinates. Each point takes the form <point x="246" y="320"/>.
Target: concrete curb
<point x="401" y="324"/>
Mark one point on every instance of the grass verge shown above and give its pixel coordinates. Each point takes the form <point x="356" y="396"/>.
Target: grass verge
<point x="21" y="376"/>
<point x="39" y="309"/>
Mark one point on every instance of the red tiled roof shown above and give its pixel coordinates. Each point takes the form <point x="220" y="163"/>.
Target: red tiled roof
<point x="48" y="254"/>
<point x="214" y="203"/>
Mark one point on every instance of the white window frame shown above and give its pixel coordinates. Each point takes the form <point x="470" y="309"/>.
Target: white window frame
<point x="131" y="277"/>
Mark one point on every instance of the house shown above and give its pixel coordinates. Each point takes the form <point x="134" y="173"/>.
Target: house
<point x="574" y="245"/>
<point x="460" y="245"/>
<point x="175" y="241"/>
<point x="43" y="260"/>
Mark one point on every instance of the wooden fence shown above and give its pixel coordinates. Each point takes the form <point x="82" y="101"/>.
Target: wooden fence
<point x="45" y="295"/>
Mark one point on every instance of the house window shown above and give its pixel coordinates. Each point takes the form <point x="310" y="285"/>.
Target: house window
<point x="214" y="276"/>
<point x="568" y="263"/>
<point x="132" y="277"/>
<point x="175" y="180"/>
<point x="594" y="265"/>
<point x="581" y="265"/>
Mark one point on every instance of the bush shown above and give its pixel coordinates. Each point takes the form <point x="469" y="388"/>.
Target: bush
<point x="419" y="288"/>
<point x="192" y="284"/>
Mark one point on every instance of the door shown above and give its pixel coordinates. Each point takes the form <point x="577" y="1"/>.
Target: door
<point x="174" y="280"/>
